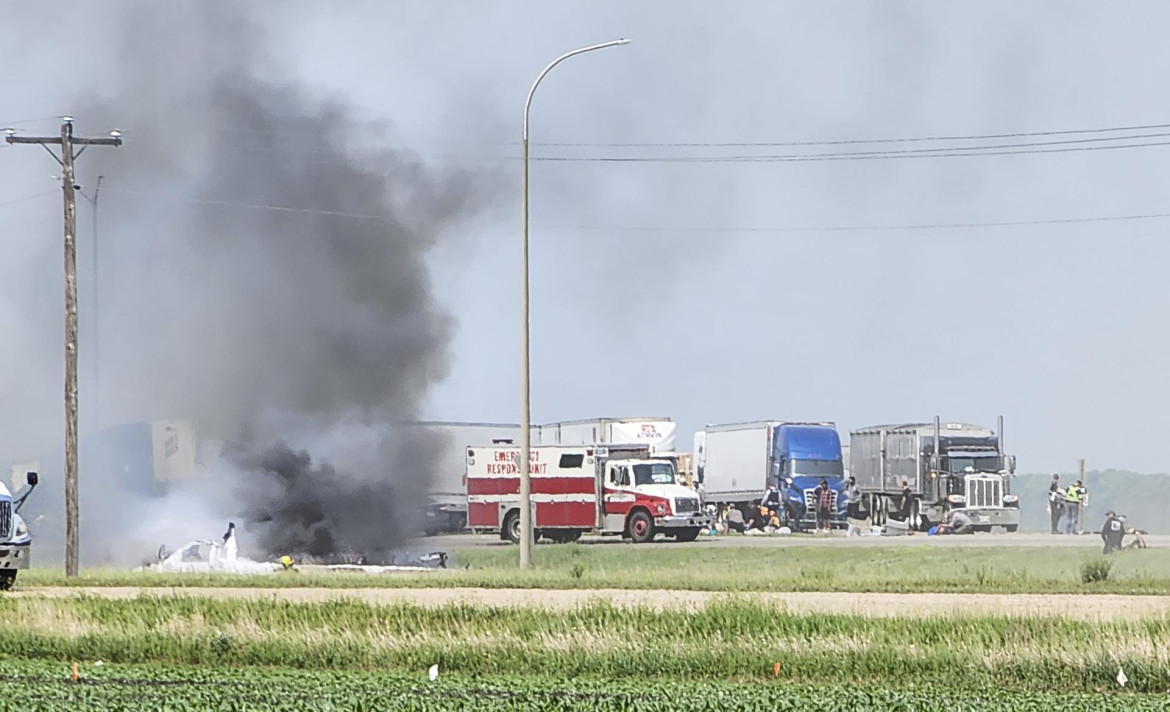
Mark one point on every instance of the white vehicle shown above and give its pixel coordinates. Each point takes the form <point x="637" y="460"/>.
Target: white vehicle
<point x="447" y="495"/>
<point x="15" y="542"/>
<point x="656" y="433"/>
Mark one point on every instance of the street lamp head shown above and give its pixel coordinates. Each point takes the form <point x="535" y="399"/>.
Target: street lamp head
<point x="67" y="119"/>
<point x="116" y="133"/>
<point x="10" y="132"/>
<point x="622" y="41"/>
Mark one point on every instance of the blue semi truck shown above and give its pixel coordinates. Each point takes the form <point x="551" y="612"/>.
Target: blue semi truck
<point x="735" y="463"/>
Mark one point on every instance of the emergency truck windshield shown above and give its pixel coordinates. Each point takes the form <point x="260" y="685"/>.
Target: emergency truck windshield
<point x="654" y="473"/>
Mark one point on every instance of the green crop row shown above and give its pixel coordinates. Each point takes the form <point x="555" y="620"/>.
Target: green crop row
<point x="41" y="687"/>
<point x="736" y="639"/>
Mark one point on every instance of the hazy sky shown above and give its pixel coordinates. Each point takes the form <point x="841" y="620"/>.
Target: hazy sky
<point x="1058" y="327"/>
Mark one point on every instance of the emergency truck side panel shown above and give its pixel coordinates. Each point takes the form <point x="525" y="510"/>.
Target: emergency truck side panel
<point x="563" y="481"/>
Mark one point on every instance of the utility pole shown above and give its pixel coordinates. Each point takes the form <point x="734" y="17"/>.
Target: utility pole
<point x="67" y="142"/>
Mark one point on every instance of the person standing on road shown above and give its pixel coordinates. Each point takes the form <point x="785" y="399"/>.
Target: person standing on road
<point x="823" y="496"/>
<point x="771" y="498"/>
<point x="853" y="506"/>
<point x="1072" y="504"/>
<point x="904" y="502"/>
<point x="1055" y="503"/>
<point x="1112" y="532"/>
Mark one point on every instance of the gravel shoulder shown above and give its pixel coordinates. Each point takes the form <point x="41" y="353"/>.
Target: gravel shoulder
<point x="1088" y="607"/>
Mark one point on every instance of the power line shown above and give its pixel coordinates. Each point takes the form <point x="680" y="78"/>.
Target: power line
<point x="861" y="228"/>
<point x="252" y="206"/>
<point x="13" y="124"/>
<point x="795" y="158"/>
<point x="746" y="144"/>
<point x="683" y="228"/>
<point x="27" y="198"/>
<point x="843" y="142"/>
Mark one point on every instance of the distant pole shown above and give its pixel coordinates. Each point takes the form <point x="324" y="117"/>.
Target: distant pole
<point x="525" y="396"/>
<point x="67" y="143"/>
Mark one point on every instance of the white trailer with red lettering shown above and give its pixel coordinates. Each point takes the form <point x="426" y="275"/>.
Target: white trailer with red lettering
<point x="577" y="489"/>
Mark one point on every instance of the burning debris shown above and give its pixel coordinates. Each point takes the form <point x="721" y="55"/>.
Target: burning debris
<point x="203" y="557"/>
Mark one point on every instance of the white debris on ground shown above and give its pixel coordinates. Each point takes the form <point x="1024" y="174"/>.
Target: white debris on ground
<point x="206" y="557"/>
<point x="209" y="557"/>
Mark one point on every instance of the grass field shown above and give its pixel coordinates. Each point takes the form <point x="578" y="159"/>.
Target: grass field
<point x="736" y="640"/>
<point x="863" y="569"/>
<point x="48" y="687"/>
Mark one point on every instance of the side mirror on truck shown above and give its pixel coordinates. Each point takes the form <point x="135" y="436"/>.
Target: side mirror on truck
<point x="31" y="478"/>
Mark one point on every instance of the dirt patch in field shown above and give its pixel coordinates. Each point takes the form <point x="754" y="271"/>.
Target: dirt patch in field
<point x="1088" y="607"/>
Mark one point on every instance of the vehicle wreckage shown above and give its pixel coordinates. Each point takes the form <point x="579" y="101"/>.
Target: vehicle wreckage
<point x="210" y="557"/>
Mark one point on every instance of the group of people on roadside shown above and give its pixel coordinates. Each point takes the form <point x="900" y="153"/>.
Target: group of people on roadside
<point x="775" y="515"/>
<point x="1067" y="503"/>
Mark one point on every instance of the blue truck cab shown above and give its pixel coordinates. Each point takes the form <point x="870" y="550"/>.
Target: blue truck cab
<point x="802" y="455"/>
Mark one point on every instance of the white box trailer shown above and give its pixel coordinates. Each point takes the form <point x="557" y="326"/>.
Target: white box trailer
<point x="656" y="432"/>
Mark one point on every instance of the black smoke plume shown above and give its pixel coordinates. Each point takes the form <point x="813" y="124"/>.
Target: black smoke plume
<point x="264" y="274"/>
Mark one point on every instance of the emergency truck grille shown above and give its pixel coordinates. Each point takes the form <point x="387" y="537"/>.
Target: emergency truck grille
<point x="6" y="518"/>
<point x="810" y="502"/>
<point x="686" y="505"/>
<point x="984" y="492"/>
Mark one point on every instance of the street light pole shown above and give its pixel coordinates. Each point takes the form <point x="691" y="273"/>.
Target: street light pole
<point x="525" y="396"/>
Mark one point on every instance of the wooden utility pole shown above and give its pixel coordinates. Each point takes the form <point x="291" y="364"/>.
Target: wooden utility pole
<point x="67" y="143"/>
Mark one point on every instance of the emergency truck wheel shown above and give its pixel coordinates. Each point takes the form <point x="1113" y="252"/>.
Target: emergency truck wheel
<point x="688" y="534"/>
<point x="6" y="579"/>
<point x="640" y="527"/>
<point x="512" y="527"/>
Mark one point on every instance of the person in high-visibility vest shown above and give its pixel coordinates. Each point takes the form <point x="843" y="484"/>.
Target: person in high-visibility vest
<point x="1073" y="496"/>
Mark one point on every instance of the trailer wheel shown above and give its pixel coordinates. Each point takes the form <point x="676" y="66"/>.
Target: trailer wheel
<point x="6" y="579"/>
<point x="688" y="534"/>
<point x="641" y="527"/>
<point x="512" y="527"/>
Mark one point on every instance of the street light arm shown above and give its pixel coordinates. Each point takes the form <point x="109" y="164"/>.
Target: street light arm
<point x="526" y="530"/>
<point x="555" y="62"/>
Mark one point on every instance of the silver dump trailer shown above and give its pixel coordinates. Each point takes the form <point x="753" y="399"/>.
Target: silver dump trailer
<point x="946" y="466"/>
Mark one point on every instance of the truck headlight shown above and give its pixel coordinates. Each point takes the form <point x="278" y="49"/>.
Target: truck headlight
<point x="21" y="528"/>
<point x="660" y="508"/>
<point x="1011" y="498"/>
<point x="956" y="499"/>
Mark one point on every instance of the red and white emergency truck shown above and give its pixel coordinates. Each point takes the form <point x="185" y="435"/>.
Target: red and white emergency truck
<point x="585" y="488"/>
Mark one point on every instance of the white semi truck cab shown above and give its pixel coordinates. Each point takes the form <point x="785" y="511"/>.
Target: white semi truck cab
<point x="15" y="542"/>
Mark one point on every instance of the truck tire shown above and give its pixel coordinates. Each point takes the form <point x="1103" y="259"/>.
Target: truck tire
<point x="511" y="530"/>
<point x="688" y="534"/>
<point x="7" y="578"/>
<point x="640" y="527"/>
<point x="1011" y="528"/>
